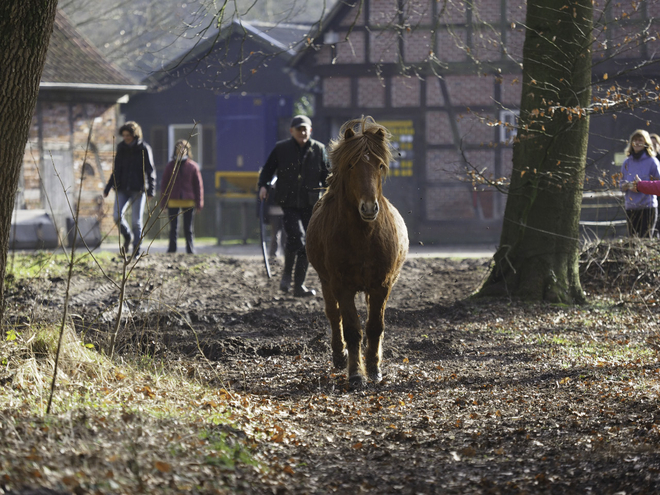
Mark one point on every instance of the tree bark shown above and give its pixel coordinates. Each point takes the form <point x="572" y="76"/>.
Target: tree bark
<point x="25" y="31"/>
<point x="539" y="248"/>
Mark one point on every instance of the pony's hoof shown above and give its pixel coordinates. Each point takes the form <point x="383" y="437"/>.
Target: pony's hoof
<point x="356" y="382"/>
<point x="340" y="361"/>
<point x="376" y="376"/>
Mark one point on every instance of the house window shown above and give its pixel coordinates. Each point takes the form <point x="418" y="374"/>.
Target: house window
<point x="509" y="125"/>
<point x="192" y="133"/>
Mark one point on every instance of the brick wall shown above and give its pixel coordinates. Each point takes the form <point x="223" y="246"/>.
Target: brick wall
<point x="383" y="12"/>
<point x="337" y="92"/>
<point x="323" y="56"/>
<point x="459" y="202"/>
<point x="449" y="203"/>
<point x="447" y="196"/>
<point x="470" y="90"/>
<point x="438" y="128"/>
<point x="486" y="44"/>
<point x="452" y="44"/>
<point x="434" y="97"/>
<point x="467" y="85"/>
<point x="405" y="91"/>
<point x="56" y="127"/>
<point x="486" y="11"/>
<point x="479" y="160"/>
<point x="356" y="18"/>
<point x="443" y="165"/>
<point x="99" y="158"/>
<point x="473" y="131"/>
<point x="516" y="10"/>
<point x="452" y="12"/>
<point x="510" y="90"/>
<point x="515" y="39"/>
<point x="384" y="47"/>
<point x="417" y="12"/>
<point x="352" y="51"/>
<point x="371" y="92"/>
<point x="417" y="45"/>
<point x="65" y="130"/>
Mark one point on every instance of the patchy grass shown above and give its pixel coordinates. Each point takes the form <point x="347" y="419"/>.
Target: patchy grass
<point x="478" y="397"/>
<point x="48" y="264"/>
<point x="124" y="427"/>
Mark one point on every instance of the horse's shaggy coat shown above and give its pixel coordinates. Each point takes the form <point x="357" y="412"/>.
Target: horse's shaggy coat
<point x="357" y="241"/>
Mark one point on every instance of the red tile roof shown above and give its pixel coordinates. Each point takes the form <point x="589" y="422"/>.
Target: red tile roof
<point x="71" y="59"/>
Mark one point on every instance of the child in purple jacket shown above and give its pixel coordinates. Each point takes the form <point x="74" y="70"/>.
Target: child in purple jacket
<point x="640" y="166"/>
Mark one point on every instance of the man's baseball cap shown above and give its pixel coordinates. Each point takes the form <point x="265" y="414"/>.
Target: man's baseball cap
<point x="301" y="121"/>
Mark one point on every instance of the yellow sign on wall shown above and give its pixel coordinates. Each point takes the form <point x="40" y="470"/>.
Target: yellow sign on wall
<point x="402" y="140"/>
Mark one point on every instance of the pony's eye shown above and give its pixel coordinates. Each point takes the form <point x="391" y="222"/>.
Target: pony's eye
<point x="382" y="167"/>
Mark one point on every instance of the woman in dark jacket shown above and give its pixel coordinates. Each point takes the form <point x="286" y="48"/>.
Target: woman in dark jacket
<point x="133" y="177"/>
<point x="182" y="190"/>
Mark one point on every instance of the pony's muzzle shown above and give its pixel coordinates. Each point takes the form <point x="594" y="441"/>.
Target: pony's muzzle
<point x="369" y="210"/>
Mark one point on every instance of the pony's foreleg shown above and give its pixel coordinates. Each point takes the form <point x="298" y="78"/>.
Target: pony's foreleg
<point x="366" y="303"/>
<point x="339" y="354"/>
<point x="353" y="338"/>
<point x="375" y="328"/>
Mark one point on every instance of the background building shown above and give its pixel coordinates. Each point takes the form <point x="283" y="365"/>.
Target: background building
<point x="232" y="97"/>
<point x="73" y="135"/>
<point x="445" y="77"/>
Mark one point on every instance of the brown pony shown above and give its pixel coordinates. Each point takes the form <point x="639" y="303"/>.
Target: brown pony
<point x="357" y="242"/>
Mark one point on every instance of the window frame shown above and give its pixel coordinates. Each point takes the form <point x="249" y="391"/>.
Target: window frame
<point x="507" y="134"/>
<point x="192" y="133"/>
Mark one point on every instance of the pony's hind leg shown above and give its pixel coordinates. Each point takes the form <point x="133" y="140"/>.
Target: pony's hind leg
<point x="353" y="338"/>
<point x="375" y="329"/>
<point x="339" y="353"/>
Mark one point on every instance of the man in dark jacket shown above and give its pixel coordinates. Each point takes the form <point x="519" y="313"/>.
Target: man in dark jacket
<point x="133" y="177"/>
<point x="302" y="168"/>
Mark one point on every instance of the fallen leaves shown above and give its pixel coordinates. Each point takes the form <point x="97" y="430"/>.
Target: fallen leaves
<point x="475" y="396"/>
<point x="163" y="467"/>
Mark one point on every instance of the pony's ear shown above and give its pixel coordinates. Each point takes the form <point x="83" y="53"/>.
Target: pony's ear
<point x="349" y="133"/>
<point x="380" y="133"/>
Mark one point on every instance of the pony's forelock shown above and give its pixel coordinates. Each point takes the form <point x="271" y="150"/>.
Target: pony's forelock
<point x="366" y="141"/>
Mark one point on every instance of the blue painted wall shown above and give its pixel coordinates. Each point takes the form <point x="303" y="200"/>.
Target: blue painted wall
<point x="247" y="127"/>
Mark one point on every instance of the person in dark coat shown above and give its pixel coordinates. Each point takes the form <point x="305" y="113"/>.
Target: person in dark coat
<point x="133" y="179"/>
<point x="301" y="165"/>
<point x="182" y="191"/>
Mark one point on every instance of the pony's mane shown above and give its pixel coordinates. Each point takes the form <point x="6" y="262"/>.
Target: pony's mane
<point x="366" y="141"/>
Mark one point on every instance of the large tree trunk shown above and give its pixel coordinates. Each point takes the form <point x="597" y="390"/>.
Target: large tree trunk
<point x="538" y="254"/>
<point x="25" y="30"/>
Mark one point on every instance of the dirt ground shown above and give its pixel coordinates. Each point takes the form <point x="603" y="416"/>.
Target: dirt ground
<point x="476" y="397"/>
